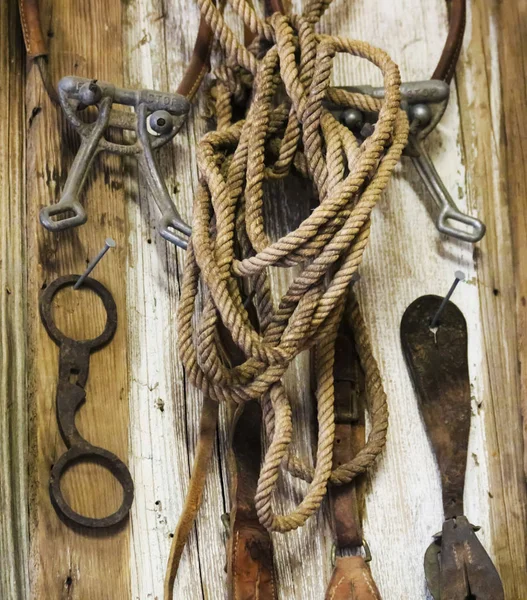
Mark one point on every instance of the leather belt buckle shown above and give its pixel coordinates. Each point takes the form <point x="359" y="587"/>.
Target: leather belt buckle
<point x="347" y="395"/>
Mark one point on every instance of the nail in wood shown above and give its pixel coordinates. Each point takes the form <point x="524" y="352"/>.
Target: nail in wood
<point x="460" y="276"/>
<point x="109" y="243"/>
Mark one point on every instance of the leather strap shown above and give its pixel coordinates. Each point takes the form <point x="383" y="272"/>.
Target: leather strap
<point x="447" y="63"/>
<point x="204" y="451"/>
<point x="352" y="580"/>
<point x="199" y="62"/>
<point x="249" y="550"/>
<point x="198" y="66"/>
<point x="349" y="437"/>
<point x="30" y="19"/>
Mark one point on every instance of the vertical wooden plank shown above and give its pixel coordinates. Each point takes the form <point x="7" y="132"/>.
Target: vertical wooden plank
<point x="164" y="413"/>
<point x="512" y="36"/>
<point x="85" y="40"/>
<point x="486" y="149"/>
<point x="14" y="533"/>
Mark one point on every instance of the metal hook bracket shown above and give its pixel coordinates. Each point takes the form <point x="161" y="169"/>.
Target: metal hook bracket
<point x="157" y="119"/>
<point x="425" y="103"/>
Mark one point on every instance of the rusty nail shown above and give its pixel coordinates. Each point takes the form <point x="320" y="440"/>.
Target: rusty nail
<point x="108" y="243"/>
<point x="460" y="276"/>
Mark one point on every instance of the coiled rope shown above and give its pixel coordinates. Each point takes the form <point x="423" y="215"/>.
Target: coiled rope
<point x="287" y="126"/>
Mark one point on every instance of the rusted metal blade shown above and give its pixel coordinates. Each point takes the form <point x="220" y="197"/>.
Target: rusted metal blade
<point x="437" y="361"/>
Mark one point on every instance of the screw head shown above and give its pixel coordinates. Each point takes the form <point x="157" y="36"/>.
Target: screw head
<point x="110" y="242"/>
<point x="160" y="121"/>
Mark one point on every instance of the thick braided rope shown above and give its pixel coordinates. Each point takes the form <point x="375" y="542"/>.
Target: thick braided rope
<point x="230" y="252"/>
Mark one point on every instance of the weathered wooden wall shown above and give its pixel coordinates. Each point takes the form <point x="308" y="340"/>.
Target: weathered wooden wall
<point x="14" y="534"/>
<point x="139" y="404"/>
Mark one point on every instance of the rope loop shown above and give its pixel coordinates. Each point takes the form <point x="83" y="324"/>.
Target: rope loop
<point x="287" y="127"/>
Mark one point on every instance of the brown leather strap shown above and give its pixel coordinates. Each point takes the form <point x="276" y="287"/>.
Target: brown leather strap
<point x="352" y="580"/>
<point x="204" y="450"/>
<point x="249" y="552"/>
<point x="196" y="70"/>
<point x="447" y="63"/>
<point x="349" y="437"/>
<point x="199" y="61"/>
<point x="30" y="19"/>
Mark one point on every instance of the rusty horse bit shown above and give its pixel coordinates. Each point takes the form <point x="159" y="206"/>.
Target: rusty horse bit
<point x="74" y="363"/>
<point x="158" y="118"/>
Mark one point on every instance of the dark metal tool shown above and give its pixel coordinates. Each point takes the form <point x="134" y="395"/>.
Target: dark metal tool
<point x="74" y="365"/>
<point x="457" y="566"/>
<point x="157" y="119"/>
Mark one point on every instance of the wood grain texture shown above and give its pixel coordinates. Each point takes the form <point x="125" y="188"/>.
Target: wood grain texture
<point x="85" y="40"/>
<point x="139" y="404"/>
<point x="484" y="147"/>
<point x="14" y="538"/>
<point x="511" y="20"/>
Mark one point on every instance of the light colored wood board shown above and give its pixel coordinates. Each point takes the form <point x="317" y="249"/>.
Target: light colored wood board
<point x="14" y="531"/>
<point x="407" y="258"/>
<point x="485" y="151"/>
<point x="67" y="562"/>
<point x="164" y="409"/>
<point x="512" y="24"/>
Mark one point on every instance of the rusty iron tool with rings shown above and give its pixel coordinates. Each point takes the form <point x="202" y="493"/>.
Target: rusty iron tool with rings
<point x="457" y="566"/>
<point x="74" y="363"/>
<point x="425" y="103"/>
<point x="157" y="119"/>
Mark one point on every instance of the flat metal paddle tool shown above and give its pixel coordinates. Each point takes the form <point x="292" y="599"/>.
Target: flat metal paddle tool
<point x="457" y="567"/>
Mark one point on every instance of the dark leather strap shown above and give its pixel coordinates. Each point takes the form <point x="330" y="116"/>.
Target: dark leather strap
<point x="351" y="578"/>
<point x="447" y="63"/>
<point x="349" y="437"/>
<point x="199" y="61"/>
<point x="249" y="550"/>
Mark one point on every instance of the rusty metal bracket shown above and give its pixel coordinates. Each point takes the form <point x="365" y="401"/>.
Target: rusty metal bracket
<point x="157" y="119"/>
<point x="458" y="567"/>
<point x="74" y="362"/>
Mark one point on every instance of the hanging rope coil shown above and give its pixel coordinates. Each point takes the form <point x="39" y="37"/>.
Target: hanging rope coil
<point x="287" y="126"/>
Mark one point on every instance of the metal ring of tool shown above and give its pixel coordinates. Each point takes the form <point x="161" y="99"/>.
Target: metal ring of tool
<point x="82" y="450"/>
<point x="46" y="311"/>
<point x="87" y="453"/>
